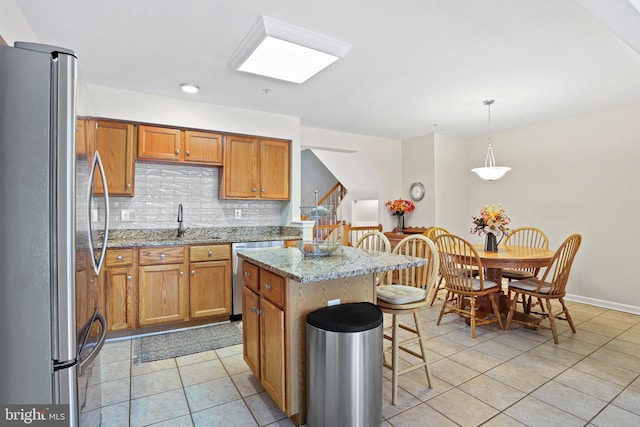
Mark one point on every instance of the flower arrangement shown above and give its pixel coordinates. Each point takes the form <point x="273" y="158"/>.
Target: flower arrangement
<point x="399" y="207"/>
<point x="492" y="220"/>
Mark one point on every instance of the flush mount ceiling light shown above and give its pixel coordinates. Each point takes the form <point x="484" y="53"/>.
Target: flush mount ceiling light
<point x="490" y="171"/>
<point x="189" y="88"/>
<point x="285" y="52"/>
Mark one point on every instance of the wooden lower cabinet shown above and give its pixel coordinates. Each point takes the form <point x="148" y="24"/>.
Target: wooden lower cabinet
<point x="120" y="286"/>
<point x="210" y="290"/>
<point x="119" y="290"/>
<point x="163" y="294"/>
<point x="272" y="356"/>
<point x="263" y="338"/>
<point x="251" y="329"/>
<point x="152" y="286"/>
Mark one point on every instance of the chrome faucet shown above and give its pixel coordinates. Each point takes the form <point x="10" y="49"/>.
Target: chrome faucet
<point x="180" y="226"/>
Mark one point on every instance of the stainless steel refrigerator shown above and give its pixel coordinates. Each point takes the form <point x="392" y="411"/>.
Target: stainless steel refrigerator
<point x="52" y="328"/>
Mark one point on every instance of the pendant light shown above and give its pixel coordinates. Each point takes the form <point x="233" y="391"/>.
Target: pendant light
<point x="490" y="172"/>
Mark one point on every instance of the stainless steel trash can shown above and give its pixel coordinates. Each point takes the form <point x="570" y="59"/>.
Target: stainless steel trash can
<point x="344" y="366"/>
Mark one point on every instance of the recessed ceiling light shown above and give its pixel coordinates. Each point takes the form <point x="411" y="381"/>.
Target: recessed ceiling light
<point x="189" y="88"/>
<point x="285" y="52"/>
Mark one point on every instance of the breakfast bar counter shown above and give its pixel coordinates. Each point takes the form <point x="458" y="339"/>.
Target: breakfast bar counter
<point x="282" y="286"/>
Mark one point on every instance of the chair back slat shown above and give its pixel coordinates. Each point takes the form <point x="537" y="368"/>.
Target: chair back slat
<point x="457" y="260"/>
<point x="435" y="232"/>
<point x="424" y="277"/>
<point x="374" y="241"/>
<point x="530" y="237"/>
<point x="560" y="266"/>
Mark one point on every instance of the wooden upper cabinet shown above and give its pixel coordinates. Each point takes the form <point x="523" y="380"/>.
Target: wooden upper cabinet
<point x="81" y="137"/>
<point x="115" y="141"/>
<point x="202" y="147"/>
<point x="256" y="168"/>
<point x="240" y="175"/>
<point x="274" y="169"/>
<point x="159" y="143"/>
<point x="175" y="145"/>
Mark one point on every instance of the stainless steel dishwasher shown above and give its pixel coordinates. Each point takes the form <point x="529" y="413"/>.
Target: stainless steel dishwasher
<point x="236" y="291"/>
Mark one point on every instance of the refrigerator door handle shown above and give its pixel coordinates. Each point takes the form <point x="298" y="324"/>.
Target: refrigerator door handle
<point x="97" y="162"/>
<point x="86" y="361"/>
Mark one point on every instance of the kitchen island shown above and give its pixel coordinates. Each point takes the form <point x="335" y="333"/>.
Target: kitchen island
<point x="281" y="287"/>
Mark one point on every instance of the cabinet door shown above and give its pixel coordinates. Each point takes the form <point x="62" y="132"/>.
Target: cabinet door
<point x="81" y="137"/>
<point x="203" y="147"/>
<point x="274" y="169"/>
<point x="240" y="171"/>
<point x="210" y="288"/>
<point x="162" y="294"/>
<point x="120" y="299"/>
<point x="272" y="351"/>
<point x="158" y="143"/>
<point x="251" y="330"/>
<point x="115" y="142"/>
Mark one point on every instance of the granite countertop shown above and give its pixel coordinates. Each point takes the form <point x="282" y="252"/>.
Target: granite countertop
<point x="345" y="262"/>
<point x="195" y="236"/>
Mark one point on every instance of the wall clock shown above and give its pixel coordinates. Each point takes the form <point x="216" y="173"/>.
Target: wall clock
<point x="416" y="191"/>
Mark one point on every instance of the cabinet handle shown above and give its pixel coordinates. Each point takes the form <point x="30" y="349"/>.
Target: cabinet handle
<point x="262" y="190"/>
<point x="193" y="272"/>
<point x="128" y="185"/>
<point x="177" y="152"/>
<point x="119" y="257"/>
<point x="128" y="277"/>
<point x="162" y="256"/>
<point x="210" y="253"/>
<point x="258" y="312"/>
<point x="267" y="286"/>
<point x="181" y="273"/>
<point x="253" y="308"/>
<point x="187" y="153"/>
<point x="253" y="189"/>
<point x="246" y="274"/>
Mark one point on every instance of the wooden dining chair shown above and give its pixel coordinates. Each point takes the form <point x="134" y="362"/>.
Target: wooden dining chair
<point x="457" y="259"/>
<point x="374" y="241"/>
<point x="432" y="233"/>
<point x="530" y="237"/>
<point x="406" y="293"/>
<point x="551" y="286"/>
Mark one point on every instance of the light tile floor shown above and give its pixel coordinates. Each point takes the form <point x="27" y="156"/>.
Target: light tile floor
<point x="517" y="377"/>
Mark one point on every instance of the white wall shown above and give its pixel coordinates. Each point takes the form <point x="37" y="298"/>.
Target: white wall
<point x="99" y="101"/>
<point x="576" y="175"/>
<point x="451" y="184"/>
<point x="13" y="26"/>
<point x="383" y="157"/>
<point x="418" y="157"/>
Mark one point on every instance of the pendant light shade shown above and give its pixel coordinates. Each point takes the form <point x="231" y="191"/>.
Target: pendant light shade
<point x="490" y="172"/>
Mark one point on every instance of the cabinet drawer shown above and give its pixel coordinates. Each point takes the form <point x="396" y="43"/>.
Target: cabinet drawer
<point x="272" y="287"/>
<point x="209" y="253"/>
<point x="163" y="255"/>
<point x="250" y="276"/>
<point x="116" y="257"/>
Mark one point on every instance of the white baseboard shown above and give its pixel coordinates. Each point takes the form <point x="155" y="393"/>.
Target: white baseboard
<point x="604" y="304"/>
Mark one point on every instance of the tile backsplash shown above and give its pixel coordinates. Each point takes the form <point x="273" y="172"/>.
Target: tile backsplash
<point x="159" y="189"/>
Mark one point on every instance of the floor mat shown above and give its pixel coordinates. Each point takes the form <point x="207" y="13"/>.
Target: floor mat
<point x="190" y="341"/>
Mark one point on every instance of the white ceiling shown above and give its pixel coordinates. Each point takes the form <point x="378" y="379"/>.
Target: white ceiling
<point x="412" y="64"/>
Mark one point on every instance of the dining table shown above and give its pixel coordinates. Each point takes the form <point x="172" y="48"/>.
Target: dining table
<point x="508" y="257"/>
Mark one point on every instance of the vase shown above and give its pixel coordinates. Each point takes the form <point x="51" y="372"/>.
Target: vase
<point x="491" y="243"/>
<point x="399" y="224"/>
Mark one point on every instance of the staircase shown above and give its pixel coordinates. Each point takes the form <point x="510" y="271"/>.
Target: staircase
<point x="330" y="227"/>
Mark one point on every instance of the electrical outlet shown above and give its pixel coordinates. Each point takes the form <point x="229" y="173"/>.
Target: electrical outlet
<point x="94" y="215"/>
<point x="125" y="214"/>
<point x="238" y="213"/>
<point x="333" y="302"/>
